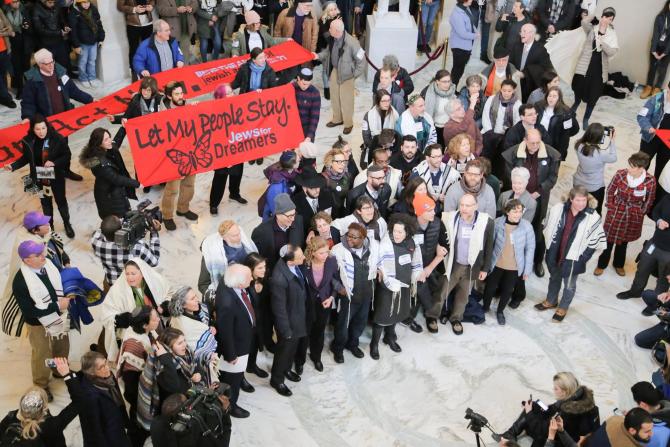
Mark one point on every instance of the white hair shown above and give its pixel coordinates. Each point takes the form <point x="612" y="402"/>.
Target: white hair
<point x="391" y="61"/>
<point x="235" y="275"/>
<point x="521" y="173"/>
<point x="337" y="24"/>
<point x="43" y="55"/>
<point x="158" y="23"/>
<point x="530" y="25"/>
<point x="451" y="105"/>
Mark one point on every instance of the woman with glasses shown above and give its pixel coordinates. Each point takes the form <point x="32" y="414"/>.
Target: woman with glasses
<point x="381" y="116"/>
<point x="338" y="180"/>
<point x="366" y="214"/>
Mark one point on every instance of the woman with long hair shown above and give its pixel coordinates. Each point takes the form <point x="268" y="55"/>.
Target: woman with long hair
<point x="592" y="160"/>
<point x="459" y="152"/>
<point x="381" y="116"/>
<point x="330" y="12"/>
<point x="366" y="214"/>
<point x="48" y="155"/>
<point x="415" y="185"/>
<point x="260" y="301"/>
<point x="558" y="119"/>
<point x="338" y="180"/>
<point x="113" y="185"/>
<point x="548" y="79"/>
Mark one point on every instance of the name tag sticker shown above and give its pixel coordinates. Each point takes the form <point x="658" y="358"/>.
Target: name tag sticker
<point x="643" y="112"/>
<point x="466" y="233"/>
<point x="418" y="127"/>
<point x="360" y="54"/>
<point x="567" y="124"/>
<point x="418" y="239"/>
<point x="64" y="79"/>
<point x="404" y="259"/>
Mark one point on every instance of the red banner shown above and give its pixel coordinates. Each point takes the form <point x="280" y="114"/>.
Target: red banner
<point x="214" y="134"/>
<point x="664" y="135"/>
<point x="199" y="80"/>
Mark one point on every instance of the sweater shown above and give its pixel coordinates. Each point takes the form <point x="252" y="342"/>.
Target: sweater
<point x="486" y="200"/>
<point x="468" y="126"/>
<point x="591" y="169"/>
<point x="309" y="108"/>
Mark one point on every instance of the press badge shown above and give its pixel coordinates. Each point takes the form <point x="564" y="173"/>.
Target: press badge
<point x="404" y="259"/>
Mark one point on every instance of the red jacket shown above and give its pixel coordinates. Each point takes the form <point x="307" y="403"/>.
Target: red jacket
<point x="626" y="207"/>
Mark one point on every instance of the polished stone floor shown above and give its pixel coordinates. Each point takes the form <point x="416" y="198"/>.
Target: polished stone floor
<point x="417" y="397"/>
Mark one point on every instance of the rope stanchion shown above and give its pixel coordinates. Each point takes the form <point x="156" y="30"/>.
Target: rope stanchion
<point x="435" y="55"/>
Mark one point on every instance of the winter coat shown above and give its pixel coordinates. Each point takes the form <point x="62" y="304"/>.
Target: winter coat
<point x="285" y="25"/>
<point x="479" y="259"/>
<point x="468" y="125"/>
<point x="612" y="434"/>
<point x="167" y="10"/>
<point x="240" y="45"/>
<point x="517" y="133"/>
<point x="81" y="33"/>
<point x="263" y="237"/>
<point x="591" y="168"/>
<point x="113" y="185"/>
<point x="510" y="30"/>
<point x="352" y="58"/>
<point x="50" y="432"/>
<point x="58" y="152"/>
<point x="243" y="78"/>
<point x="579" y="412"/>
<point x="48" y="24"/>
<point x="523" y="242"/>
<point x="529" y="204"/>
<point x="324" y="33"/>
<point x="289" y="295"/>
<point x="35" y="99"/>
<point x="463" y="30"/>
<point x="562" y="126"/>
<point x="132" y="19"/>
<point x="436" y="99"/>
<point x="146" y="57"/>
<point x="203" y="17"/>
<point x="609" y="47"/>
<point x="626" y="207"/>
<point x="651" y="115"/>
<point x="660" y="23"/>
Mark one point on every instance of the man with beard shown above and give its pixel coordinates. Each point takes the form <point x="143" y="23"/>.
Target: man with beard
<point x="309" y="200"/>
<point x="438" y="175"/>
<point x="184" y="187"/>
<point x="381" y="157"/>
<point x="375" y="187"/>
<point x="407" y="159"/>
<point x="633" y="430"/>
<point x="472" y="182"/>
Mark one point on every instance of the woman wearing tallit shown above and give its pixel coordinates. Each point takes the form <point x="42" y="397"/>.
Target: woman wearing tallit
<point x="590" y="66"/>
<point x="140" y="285"/>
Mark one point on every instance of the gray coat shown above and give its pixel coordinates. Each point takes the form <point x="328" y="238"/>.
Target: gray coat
<point x="240" y="41"/>
<point x="351" y="62"/>
<point x="591" y="170"/>
<point x="486" y="201"/>
<point x="529" y="204"/>
<point x="167" y="10"/>
<point x="523" y="240"/>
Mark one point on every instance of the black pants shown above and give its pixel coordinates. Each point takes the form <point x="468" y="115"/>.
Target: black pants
<point x="233" y="380"/>
<point x="619" y="255"/>
<point x="351" y="321"/>
<point x="283" y="359"/>
<point x="131" y="381"/>
<point x="647" y="338"/>
<point x="315" y="336"/>
<point x="20" y="55"/>
<point x="58" y="192"/>
<point x="5" y="67"/>
<point x="519" y="292"/>
<point x="657" y="259"/>
<point x="440" y="136"/>
<point x="388" y="331"/>
<point x="657" y="148"/>
<point x="503" y="281"/>
<point x="428" y="293"/>
<point x="219" y="183"/>
<point x="599" y="195"/>
<point x="253" y="350"/>
<point x="657" y="71"/>
<point x="461" y="58"/>
<point x="136" y="34"/>
<point x="540" y="246"/>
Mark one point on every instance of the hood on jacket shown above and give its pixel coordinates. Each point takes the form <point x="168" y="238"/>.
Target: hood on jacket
<point x="93" y="160"/>
<point x="579" y="403"/>
<point x="592" y="201"/>
<point x="663" y="413"/>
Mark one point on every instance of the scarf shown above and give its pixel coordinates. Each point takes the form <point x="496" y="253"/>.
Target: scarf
<point x="138" y="294"/>
<point x="555" y="11"/>
<point x="375" y="122"/>
<point x="256" y="73"/>
<point x="474" y="190"/>
<point x="434" y="95"/>
<point x="15" y="17"/>
<point x="334" y="176"/>
<point x="54" y="323"/>
<point x="635" y="182"/>
<point x="87" y="15"/>
<point x="509" y="110"/>
<point x="214" y="255"/>
<point x="109" y="386"/>
<point x="150" y="107"/>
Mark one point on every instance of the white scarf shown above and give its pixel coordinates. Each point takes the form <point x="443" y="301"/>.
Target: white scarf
<point x="214" y="255"/>
<point x="635" y="182"/>
<point x="375" y="125"/>
<point x="408" y="124"/>
<point x="54" y="324"/>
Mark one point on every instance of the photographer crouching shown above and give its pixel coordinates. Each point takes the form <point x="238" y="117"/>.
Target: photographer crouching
<point x="657" y="304"/>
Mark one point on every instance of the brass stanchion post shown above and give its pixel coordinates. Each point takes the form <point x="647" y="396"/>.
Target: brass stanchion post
<point x="444" y="58"/>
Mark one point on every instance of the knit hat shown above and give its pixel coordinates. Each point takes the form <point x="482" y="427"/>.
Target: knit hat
<point x="251" y="17"/>
<point x="28" y="248"/>
<point x="287" y="157"/>
<point x="645" y="392"/>
<point x="283" y="203"/>
<point x="500" y="52"/>
<point x="34" y="219"/>
<point x="306" y="74"/>
<point x="422" y="203"/>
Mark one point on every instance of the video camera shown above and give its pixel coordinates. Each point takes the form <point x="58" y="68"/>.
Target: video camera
<point x="203" y="411"/>
<point x="477" y="421"/>
<point x="136" y="223"/>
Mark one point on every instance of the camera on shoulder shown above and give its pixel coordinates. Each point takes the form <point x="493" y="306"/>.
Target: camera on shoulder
<point x="203" y="411"/>
<point x="136" y="224"/>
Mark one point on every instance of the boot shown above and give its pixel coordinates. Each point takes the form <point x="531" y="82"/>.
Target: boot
<point x="374" y="342"/>
<point x="646" y="92"/>
<point x="326" y="93"/>
<point x="69" y="231"/>
<point x="517" y="428"/>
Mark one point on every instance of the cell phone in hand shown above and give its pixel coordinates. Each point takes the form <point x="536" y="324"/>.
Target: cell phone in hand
<point x="542" y="405"/>
<point x="50" y="363"/>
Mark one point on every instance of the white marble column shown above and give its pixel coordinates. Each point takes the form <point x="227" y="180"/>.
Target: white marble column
<point x="113" y="65"/>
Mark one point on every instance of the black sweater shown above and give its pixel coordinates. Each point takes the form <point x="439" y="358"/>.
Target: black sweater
<point x="26" y="303"/>
<point x="51" y="429"/>
<point x="662" y="211"/>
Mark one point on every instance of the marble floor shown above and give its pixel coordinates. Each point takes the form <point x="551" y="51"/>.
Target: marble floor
<point x="415" y="398"/>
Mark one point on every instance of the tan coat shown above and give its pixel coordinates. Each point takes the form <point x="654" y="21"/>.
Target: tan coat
<point x="126" y="7"/>
<point x="167" y="10"/>
<point x="5" y="29"/>
<point x="286" y="23"/>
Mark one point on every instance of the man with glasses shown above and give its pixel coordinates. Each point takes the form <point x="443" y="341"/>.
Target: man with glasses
<point x="438" y="175"/>
<point x="47" y="92"/>
<point x="375" y="187"/>
<point x="472" y="182"/>
<point x="284" y="228"/>
<point x="387" y="83"/>
<point x="516" y="133"/>
<point x="542" y="161"/>
<point x="381" y="157"/>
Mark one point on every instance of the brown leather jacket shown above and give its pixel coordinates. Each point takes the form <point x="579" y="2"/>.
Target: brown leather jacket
<point x="286" y="23"/>
<point x="126" y="7"/>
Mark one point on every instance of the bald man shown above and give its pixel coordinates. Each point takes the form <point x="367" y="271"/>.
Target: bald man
<point x="531" y="58"/>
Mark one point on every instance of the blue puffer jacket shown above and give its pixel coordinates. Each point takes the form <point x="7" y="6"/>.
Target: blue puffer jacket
<point x="146" y="57"/>
<point x="523" y="240"/>
<point x="651" y="115"/>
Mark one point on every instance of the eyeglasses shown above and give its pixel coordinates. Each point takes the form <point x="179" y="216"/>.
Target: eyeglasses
<point x="378" y="178"/>
<point x="350" y="236"/>
<point x="339" y="161"/>
<point x="47" y="63"/>
<point x="290" y="216"/>
<point x="367" y="208"/>
<point x="474" y="174"/>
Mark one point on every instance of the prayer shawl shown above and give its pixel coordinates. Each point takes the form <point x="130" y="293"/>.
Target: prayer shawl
<point x="214" y="255"/>
<point x="556" y="10"/>
<point x="120" y="299"/>
<point x="448" y="176"/>
<point x="342" y="224"/>
<point x="407" y="126"/>
<point x="388" y="269"/>
<point x="476" y="245"/>
<point x="374" y="122"/>
<point x="393" y="179"/>
<point x="345" y="262"/>
<point x="55" y="324"/>
<point x="130" y="352"/>
<point x="589" y="233"/>
<point x="197" y="333"/>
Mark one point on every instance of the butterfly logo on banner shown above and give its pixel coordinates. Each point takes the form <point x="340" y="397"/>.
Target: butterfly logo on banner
<point x="188" y="162"/>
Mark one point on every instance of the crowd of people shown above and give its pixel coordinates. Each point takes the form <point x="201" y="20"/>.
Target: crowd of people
<point x="445" y="214"/>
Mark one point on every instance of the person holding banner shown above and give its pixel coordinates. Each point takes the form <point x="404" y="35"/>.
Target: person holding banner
<point x="252" y="35"/>
<point x="256" y="74"/>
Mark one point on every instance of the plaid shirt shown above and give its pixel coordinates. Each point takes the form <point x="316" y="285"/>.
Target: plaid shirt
<point x="114" y="257"/>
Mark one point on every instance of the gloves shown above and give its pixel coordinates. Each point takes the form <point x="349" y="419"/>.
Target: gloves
<point x="122" y="321"/>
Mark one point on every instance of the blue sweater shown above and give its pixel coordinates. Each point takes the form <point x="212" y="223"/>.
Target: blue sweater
<point x="463" y="30"/>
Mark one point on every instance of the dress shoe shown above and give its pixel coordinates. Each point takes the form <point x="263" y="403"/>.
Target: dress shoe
<point x="338" y="357"/>
<point x="501" y="318"/>
<point x="559" y="315"/>
<point x="395" y="347"/>
<point x="169" y="224"/>
<point x="259" y="161"/>
<point x="213" y="210"/>
<point x="374" y="351"/>
<point x="648" y="311"/>
<point x="443" y="319"/>
<point x="239" y="199"/>
<point x="318" y="365"/>
<point x="332" y="124"/>
<point x="539" y="270"/>
<point x="254" y="369"/>
<point x="293" y="377"/>
<point x="413" y="325"/>
<point x="69" y="231"/>
<point x="514" y="304"/>
<point x="238" y="412"/>
<point x="646" y="92"/>
<point x="627" y="295"/>
<point x="282" y="389"/>
<point x="356" y="352"/>
<point x="620" y="271"/>
<point x="190" y="215"/>
<point x="598" y="271"/>
<point x="299" y="369"/>
<point x="431" y="323"/>
<point x="545" y="305"/>
<point x="72" y="176"/>
<point x="246" y="386"/>
<point x="347" y="130"/>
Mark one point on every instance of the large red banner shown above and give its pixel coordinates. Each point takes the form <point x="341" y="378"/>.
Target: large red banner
<point x="199" y="80"/>
<point x="214" y="134"/>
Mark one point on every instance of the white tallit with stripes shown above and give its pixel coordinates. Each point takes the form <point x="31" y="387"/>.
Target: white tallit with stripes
<point x="54" y="324"/>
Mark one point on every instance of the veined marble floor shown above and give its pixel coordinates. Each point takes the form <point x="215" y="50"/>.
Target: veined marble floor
<point x="415" y="398"/>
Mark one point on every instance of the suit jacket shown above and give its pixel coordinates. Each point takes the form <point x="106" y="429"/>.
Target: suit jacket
<point x="537" y="63"/>
<point x="382" y="200"/>
<point x="234" y="329"/>
<point x="289" y="300"/>
<point x="263" y="237"/>
<point x="305" y="210"/>
<point x="517" y="133"/>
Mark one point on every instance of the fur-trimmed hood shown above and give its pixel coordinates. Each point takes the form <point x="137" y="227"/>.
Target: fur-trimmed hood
<point x="579" y="403"/>
<point x="592" y="202"/>
<point x="92" y="160"/>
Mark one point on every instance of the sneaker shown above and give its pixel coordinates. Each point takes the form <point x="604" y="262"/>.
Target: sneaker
<point x="190" y="215"/>
<point x="169" y="224"/>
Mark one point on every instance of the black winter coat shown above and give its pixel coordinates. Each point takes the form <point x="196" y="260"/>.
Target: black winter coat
<point x="305" y="210"/>
<point x="234" y="329"/>
<point x="517" y="133"/>
<point x="382" y="200"/>
<point x="243" y="77"/>
<point x="289" y="298"/>
<point x="113" y="185"/>
<point x="81" y="30"/>
<point x="51" y="429"/>
<point x="47" y="24"/>
<point x="558" y="136"/>
<point x="263" y="237"/>
<point x="35" y="98"/>
<point x="171" y="380"/>
<point x="103" y="423"/>
<point x="58" y="152"/>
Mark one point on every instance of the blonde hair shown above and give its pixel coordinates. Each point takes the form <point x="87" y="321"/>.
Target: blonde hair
<point x="225" y="226"/>
<point x="328" y="158"/>
<point x="313" y="245"/>
<point x="31" y="419"/>
<point x="455" y="145"/>
<point x="328" y="7"/>
<point x="567" y="382"/>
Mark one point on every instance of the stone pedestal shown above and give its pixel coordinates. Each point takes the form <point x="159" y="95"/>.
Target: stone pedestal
<point x="394" y="33"/>
<point x="113" y="64"/>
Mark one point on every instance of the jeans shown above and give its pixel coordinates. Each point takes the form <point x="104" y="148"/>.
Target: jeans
<point x="555" y="280"/>
<point x="87" y="58"/>
<point x="216" y="42"/>
<point x="351" y="321"/>
<point x="648" y="337"/>
<point x="428" y="14"/>
<point x="657" y="71"/>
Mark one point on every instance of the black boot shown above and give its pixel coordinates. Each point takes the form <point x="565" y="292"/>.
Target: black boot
<point x="374" y="342"/>
<point x="69" y="231"/>
<point x="517" y="428"/>
<point x="326" y="93"/>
